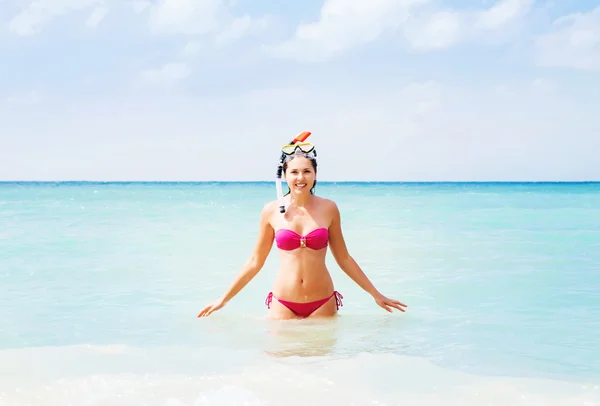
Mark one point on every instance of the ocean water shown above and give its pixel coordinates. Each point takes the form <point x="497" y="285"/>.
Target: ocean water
<point x="100" y="284"/>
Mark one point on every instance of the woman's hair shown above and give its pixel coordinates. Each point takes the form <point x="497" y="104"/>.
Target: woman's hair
<point x="310" y="156"/>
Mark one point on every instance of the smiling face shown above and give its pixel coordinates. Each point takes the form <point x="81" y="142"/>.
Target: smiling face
<point x="300" y="174"/>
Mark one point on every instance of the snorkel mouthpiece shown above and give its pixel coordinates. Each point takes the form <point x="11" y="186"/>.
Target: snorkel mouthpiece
<point x="299" y="138"/>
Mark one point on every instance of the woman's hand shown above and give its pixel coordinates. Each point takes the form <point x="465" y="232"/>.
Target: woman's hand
<point x="213" y="307"/>
<point x="388" y="303"/>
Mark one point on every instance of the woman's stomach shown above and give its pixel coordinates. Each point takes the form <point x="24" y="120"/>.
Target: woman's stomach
<point x="303" y="276"/>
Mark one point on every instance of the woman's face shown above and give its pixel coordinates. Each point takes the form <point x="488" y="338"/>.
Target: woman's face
<point x="300" y="175"/>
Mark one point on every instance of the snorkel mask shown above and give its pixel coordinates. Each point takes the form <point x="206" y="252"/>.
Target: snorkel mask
<point x="290" y="149"/>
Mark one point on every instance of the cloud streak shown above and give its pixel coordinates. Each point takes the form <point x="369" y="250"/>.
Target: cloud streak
<point x="32" y="18"/>
<point x="573" y="42"/>
<point x="96" y="16"/>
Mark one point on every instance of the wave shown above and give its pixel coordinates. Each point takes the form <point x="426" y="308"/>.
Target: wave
<point x="175" y="376"/>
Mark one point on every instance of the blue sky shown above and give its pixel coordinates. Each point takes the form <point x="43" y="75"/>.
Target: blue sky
<point x="393" y="90"/>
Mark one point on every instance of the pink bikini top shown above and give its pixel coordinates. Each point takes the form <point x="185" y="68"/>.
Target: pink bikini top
<point x="290" y="240"/>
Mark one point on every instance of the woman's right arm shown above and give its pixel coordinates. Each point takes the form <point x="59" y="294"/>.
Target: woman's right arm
<point x="253" y="265"/>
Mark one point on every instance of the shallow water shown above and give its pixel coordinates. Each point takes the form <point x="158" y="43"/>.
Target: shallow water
<point x="101" y="284"/>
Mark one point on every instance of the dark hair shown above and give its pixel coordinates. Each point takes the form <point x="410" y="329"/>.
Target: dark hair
<point x="313" y="160"/>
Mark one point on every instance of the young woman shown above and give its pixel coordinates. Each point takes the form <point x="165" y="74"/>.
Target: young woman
<point x="303" y="286"/>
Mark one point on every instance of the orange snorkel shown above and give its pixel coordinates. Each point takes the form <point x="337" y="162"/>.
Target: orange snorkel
<point x="299" y="138"/>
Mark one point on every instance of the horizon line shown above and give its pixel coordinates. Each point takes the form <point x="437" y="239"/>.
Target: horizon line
<point x="320" y="181"/>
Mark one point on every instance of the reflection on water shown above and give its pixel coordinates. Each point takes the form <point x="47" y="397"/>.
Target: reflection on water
<point x="341" y="336"/>
<point x="338" y="336"/>
<point x="302" y="338"/>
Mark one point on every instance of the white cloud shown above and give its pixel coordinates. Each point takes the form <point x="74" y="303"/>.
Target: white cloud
<point x="437" y="31"/>
<point x="166" y="75"/>
<point x="432" y="30"/>
<point x="345" y="24"/>
<point x="236" y="30"/>
<point x="195" y="18"/>
<point x="96" y="17"/>
<point x="574" y="42"/>
<point x="139" y="6"/>
<point x="39" y="12"/>
<point x="502" y="13"/>
<point x="191" y="17"/>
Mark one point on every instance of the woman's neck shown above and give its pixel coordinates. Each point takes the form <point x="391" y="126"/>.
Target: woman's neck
<point x="300" y="200"/>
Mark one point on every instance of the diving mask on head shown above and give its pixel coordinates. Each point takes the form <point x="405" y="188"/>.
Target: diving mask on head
<point x="305" y="147"/>
<point x="297" y="143"/>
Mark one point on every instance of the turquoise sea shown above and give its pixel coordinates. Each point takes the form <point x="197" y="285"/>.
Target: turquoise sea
<point x="100" y="284"/>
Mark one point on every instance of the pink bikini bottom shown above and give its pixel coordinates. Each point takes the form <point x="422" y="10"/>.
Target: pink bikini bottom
<point x="305" y="309"/>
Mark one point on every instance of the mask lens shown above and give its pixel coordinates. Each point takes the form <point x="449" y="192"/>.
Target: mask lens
<point x="306" y="147"/>
<point x="288" y="149"/>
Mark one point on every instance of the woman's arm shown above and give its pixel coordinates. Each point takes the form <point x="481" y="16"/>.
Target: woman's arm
<point x="252" y="266"/>
<point x="349" y="265"/>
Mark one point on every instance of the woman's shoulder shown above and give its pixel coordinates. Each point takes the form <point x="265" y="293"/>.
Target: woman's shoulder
<point x="269" y="207"/>
<point x="327" y="204"/>
<point x="267" y="212"/>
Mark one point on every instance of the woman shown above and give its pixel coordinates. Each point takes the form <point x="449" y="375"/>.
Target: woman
<point x="303" y="286"/>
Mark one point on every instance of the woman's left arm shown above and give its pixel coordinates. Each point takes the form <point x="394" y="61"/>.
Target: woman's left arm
<point x="349" y="265"/>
